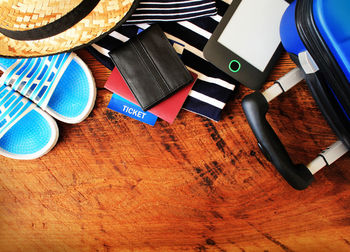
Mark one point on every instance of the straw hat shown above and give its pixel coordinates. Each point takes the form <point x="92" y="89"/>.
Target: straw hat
<point x="30" y="28"/>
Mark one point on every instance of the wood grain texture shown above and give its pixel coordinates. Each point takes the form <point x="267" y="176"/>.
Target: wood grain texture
<point x="115" y="184"/>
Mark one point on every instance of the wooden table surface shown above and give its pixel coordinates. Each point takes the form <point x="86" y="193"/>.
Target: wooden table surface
<point x="115" y="184"/>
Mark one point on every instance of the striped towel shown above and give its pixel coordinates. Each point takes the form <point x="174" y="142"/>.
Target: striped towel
<point x="213" y="88"/>
<point x="149" y="11"/>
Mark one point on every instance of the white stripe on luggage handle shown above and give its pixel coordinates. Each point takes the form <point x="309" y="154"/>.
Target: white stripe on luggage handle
<point x="307" y="62"/>
<point x="285" y="83"/>
<point x="327" y="157"/>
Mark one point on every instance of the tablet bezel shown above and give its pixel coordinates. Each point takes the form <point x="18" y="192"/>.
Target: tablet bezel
<point x="220" y="56"/>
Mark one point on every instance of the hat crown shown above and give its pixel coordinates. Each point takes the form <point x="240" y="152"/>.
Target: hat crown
<point x="19" y="15"/>
<point x="32" y="28"/>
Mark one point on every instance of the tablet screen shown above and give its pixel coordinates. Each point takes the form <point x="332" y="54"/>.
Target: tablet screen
<point x="253" y="31"/>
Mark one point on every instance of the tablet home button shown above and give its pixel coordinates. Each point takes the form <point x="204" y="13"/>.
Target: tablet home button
<point x="234" y="66"/>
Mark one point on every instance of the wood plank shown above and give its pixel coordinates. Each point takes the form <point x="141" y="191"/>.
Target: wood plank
<point x="115" y="184"/>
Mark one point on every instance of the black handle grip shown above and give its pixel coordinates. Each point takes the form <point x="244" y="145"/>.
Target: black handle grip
<point x="255" y="108"/>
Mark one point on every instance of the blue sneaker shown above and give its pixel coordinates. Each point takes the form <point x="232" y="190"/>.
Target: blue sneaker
<point x="26" y="131"/>
<point x="62" y="85"/>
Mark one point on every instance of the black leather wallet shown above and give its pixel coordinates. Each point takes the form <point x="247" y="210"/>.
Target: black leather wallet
<point x="150" y="67"/>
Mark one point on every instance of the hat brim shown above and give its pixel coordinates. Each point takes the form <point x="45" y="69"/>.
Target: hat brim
<point x="98" y="23"/>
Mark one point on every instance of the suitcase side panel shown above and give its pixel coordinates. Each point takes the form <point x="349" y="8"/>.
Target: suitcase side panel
<point x="288" y="31"/>
<point x="332" y="18"/>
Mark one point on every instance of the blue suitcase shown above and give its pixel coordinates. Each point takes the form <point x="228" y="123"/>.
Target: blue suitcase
<point x="316" y="34"/>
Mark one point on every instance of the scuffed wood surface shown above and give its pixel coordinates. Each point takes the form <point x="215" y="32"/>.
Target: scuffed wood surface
<point x="115" y="184"/>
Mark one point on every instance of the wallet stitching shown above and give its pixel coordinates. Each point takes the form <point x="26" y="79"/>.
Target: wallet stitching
<point x="121" y="67"/>
<point x="158" y="98"/>
<point x="177" y="60"/>
<point x="165" y="94"/>
<point x="156" y="68"/>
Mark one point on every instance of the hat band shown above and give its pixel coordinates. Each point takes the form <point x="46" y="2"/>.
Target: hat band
<point x="57" y="26"/>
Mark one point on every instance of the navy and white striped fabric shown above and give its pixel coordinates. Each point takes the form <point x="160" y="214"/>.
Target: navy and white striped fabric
<point x="213" y="88"/>
<point x="149" y="11"/>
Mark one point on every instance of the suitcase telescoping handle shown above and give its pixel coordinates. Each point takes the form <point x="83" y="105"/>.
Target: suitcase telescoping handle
<point x="255" y="107"/>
